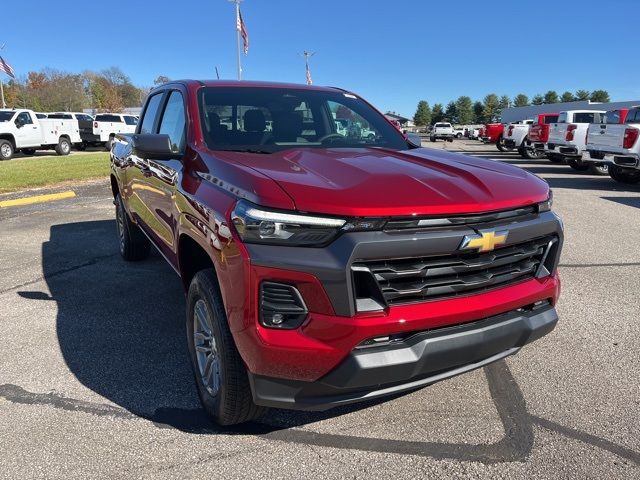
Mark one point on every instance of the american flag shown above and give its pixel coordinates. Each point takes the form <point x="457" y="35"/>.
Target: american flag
<point x="242" y="28"/>
<point x="6" y="68"/>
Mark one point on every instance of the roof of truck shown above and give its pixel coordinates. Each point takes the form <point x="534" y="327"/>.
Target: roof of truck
<point x="253" y="84"/>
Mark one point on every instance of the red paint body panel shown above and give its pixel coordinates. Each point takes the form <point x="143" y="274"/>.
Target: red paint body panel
<point x="539" y="131"/>
<point x="493" y="131"/>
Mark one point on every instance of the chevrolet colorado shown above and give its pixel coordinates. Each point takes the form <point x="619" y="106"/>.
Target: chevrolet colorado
<point x="320" y="268"/>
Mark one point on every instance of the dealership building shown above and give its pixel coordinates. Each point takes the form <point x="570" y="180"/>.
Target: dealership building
<point x="514" y="114"/>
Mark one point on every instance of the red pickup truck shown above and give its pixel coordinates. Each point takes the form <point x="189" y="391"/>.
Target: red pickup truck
<point x="493" y="133"/>
<point x="322" y="267"/>
<point x="539" y="133"/>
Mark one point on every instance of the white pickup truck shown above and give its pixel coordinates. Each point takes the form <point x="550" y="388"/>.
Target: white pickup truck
<point x="615" y="145"/>
<point x="21" y="130"/>
<point x="442" y="130"/>
<point x="567" y="136"/>
<point x="81" y="122"/>
<point x="515" y="136"/>
<point x="107" y="125"/>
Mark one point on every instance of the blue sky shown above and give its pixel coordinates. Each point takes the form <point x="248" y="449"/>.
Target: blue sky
<point x="392" y="53"/>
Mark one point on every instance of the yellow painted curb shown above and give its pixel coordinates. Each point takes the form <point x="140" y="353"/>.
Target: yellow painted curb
<point x="37" y="199"/>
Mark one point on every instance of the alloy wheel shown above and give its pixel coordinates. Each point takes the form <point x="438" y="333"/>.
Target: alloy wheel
<point x="204" y="343"/>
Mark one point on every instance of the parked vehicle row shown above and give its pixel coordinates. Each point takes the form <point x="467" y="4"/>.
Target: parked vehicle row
<point x="587" y="140"/>
<point x="26" y="131"/>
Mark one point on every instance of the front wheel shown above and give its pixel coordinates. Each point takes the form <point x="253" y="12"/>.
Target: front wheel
<point x="578" y="165"/>
<point x="220" y="374"/>
<point x="6" y="150"/>
<point x="63" y="147"/>
<point x="132" y="242"/>
<point x="624" y="175"/>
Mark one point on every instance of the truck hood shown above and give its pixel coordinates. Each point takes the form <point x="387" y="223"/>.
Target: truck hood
<point x="376" y="182"/>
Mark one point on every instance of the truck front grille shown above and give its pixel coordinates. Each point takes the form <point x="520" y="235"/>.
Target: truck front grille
<point x="407" y="280"/>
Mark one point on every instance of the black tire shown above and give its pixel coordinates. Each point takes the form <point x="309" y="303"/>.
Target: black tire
<point x="528" y="153"/>
<point x="227" y="395"/>
<point x="500" y="145"/>
<point x="64" y="146"/>
<point x="109" y="143"/>
<point x="555" y="158"/>
<point x="6" y="150"/>
<point x="599" y="169"/>
<point x="624" y="175"/>
<point x="134" y="245"/>
<point x="578" y="165"/>
<point x="459" y="135"/>
<point x="28" y="151"/>
<point x="433" y="139"/>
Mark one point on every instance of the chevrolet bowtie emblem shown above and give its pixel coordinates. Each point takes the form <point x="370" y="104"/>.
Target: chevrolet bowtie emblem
<point x="486" y="241"/>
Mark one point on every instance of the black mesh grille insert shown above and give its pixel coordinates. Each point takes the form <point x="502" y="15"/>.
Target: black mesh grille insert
<point x="425" y="278"/>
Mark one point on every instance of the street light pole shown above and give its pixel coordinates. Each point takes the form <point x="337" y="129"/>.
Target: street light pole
<point x="308" y="55"/>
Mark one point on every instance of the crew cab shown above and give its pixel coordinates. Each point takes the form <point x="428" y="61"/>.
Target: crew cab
<point x="442" y="131"/>
<point x="614" y="144"/>
<point x="567" y="137"/>
<point x="538" y="134"/>
<point x="493" y="133"/>
<point x="21" y="130"/>
<point x="107" y="125"/>
<point x="515" y="136"/>
<point x="82" y="124"/>
<point x="322" y="269"/>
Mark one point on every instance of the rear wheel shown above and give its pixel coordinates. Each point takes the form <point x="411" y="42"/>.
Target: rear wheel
<point x="527" y="152"/>
<point x="578" y="165"/>
<point x="555" y="158"/>
<point x="599" y="168"/>
<point x="109" y="143"/>
<point x="63" y="147"/>
<point x="433" y="139"/>
<point x="220" y="374"/>
<point x="6" y="150"/>
<point x="132" y="242"/>
<point x="500" y="145"/>
<point x="624" y="175"/>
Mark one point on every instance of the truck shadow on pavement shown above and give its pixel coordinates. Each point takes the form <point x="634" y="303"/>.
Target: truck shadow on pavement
<point x="121" y="332"/>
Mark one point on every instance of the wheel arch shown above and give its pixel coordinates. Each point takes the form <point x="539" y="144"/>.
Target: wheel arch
<point x="192" y="258"/>
<point x="9" y="137"/>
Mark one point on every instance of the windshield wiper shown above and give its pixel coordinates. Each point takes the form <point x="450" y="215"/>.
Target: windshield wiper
<point x="246" y="150"/>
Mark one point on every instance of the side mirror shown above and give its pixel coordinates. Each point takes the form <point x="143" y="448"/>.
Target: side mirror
<point x="414" y="139"/>
<point x="153" y="146"/>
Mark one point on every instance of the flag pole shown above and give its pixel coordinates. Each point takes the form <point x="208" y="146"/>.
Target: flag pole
<point x="4" y="105"/>
<point x="237" y="3"/>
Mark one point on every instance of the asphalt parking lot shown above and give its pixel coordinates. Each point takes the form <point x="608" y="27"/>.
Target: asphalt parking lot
<point x="95" y="380"/>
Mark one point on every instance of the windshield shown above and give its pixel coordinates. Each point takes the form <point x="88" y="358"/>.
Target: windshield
<point x="265" y="120"/>
<point x="6" y="116"/>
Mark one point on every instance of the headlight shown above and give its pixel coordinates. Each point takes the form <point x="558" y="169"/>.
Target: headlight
<point x="255" y="224"/>
<point x="547" y="204"/>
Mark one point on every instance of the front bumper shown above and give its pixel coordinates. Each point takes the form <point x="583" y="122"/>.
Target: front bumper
<point x="418" y="360"/>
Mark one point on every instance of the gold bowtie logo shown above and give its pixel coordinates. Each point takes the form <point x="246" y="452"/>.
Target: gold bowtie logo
<point x="485" y="241"/>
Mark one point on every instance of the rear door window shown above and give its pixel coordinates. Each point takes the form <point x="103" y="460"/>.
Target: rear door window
<point x="633" y="117"/>
<point x="150" y="113"/>
<point x="586" y="117"/>
<point x="108" y="118"/>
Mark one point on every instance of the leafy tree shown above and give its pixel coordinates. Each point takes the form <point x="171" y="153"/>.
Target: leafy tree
<point x="600" y="96"/>
<point x="464" y="110"/>
<point x="478" y="115"/>
<point x="451" y="113"/>
<point x="505" y="102"/>
<point x="582" y="95"/>
<point x="567" y="97"/>
<point x="161" y="79"/>
<point x="422" y="116"/>
<point x="491" y="107"/>
<point x="537" y="100"/>
<point x="551" y="97"/>
<point x="437" y="114"/>
<point x="521" y="100"/>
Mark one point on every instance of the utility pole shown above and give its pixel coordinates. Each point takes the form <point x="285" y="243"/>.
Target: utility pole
<point x="306" y="56"/>
<point x="238" y="27"/>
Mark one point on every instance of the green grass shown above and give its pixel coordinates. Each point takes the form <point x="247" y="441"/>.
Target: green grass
<point x="37" y="172"/>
